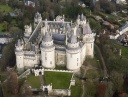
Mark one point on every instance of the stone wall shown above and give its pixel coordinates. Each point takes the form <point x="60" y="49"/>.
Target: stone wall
<point x="25" y="74"/>
<point x="38" y="71"/>
<point x="60" y="57"/>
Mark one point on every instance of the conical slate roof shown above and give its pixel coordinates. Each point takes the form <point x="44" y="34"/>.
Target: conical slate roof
<point x="87" y="29"/>
<point x="37" y="15"/>
<point x="18" y="43"/>
<point x="47" y="37"/>
<point x="72" y="39"/>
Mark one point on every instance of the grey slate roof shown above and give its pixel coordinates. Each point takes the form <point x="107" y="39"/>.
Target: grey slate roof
<point x="37" y="15"/>
<point x="47" y="37"/>
<point x="87" y="29"/>
<point x="60" y="49"/>
<point x="124" y="27"/>
<point x="59" y="42"/>
<point x="72" y="39"/>
<point x="18" y="43"/>
<point x="59" y="37"/>
<point x="79" y="31"/>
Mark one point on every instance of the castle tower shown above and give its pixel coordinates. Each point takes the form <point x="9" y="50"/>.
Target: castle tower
<point x="19" y="56"/>
<point x="73" y="53"/>
<point x="48" y="52"/>
<point x="88" y="38"/>
<point x="28" y="31"/>
<point x="37" y="19"/>
<point x="81" y="20"/>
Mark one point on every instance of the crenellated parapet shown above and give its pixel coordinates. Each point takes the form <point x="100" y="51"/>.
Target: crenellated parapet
<point x="89" y="37"/>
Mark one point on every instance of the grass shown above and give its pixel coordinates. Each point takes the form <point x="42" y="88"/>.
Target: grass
<point x="76" y="90"/>
<point x="90" y="89"/>
<point x="124" y="49"/>
<point x="92" y="74"/>
<point x="59" y="80"/>
<point x="5" y="8"/>
<point x="34" y="81"/>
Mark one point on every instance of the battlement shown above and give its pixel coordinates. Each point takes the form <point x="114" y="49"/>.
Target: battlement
<point x="29" y="52"/>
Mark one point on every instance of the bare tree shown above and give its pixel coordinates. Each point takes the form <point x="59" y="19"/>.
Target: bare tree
<point x="25" y="90"/>
<point x="12" y="85"/>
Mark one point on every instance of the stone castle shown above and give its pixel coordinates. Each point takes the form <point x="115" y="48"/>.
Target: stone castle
<point x="55" y="43"/>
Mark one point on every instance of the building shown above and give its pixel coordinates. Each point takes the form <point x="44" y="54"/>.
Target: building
<point x="29" y="3"/>
<point x="54" y="43"/>
<point x="121" y="2"/>
<point x="4" y="39"/>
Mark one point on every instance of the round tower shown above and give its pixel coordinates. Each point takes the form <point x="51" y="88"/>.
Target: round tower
<point x="73" y="54"/>
<point x="37" y="19"/>
<point x="48" y="52"/>
<point x="88" y="38"/>
<point x="19" y="56"/>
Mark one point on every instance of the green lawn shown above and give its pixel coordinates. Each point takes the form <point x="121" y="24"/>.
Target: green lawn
<point x="5" y="8"/>
<point x="123" y="48"/>
<point x="76" y="90"/>
<point x="34" y="81"/>
<point x="59" y="80"/>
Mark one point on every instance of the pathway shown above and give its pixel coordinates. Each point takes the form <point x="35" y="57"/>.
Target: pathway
<point x="103" y="62"/>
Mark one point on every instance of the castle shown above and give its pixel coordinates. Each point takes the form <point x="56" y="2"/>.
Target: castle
<point x="55" y="43"/>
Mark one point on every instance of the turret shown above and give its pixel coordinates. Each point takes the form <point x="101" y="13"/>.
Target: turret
<point x="19" y="56"/>
<point x="81" y="20"/>
<point x="88" y="38"/>
<point x="73" y="54"/>
<point x="37" y="19"/>
<point x="27" y="32"/>
<point x="48" y="52"/>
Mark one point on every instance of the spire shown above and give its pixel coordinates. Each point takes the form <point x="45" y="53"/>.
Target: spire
<point x="18" y="43"/>
<point x="78" y="17"/>
<point x="46" y="25"/>
<point x="82" y="16"/>
<point x="72" y="38"/>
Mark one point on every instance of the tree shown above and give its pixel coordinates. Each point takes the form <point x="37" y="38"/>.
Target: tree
<point x="25" y="90"/>
<point x="12" y="82"/>
<point x="101" y="88"/>
<point x="16" y="32"/>
<point x="117" y="79"/>
<point x="8" y="56"/>
<point x="109" y="90"/>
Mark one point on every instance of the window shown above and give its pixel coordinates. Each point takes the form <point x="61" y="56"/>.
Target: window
<point x="50" y="62"/>
<point x="91" y="45"/>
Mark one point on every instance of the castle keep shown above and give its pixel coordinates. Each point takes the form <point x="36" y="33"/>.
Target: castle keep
<point x="56" y="42"/>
